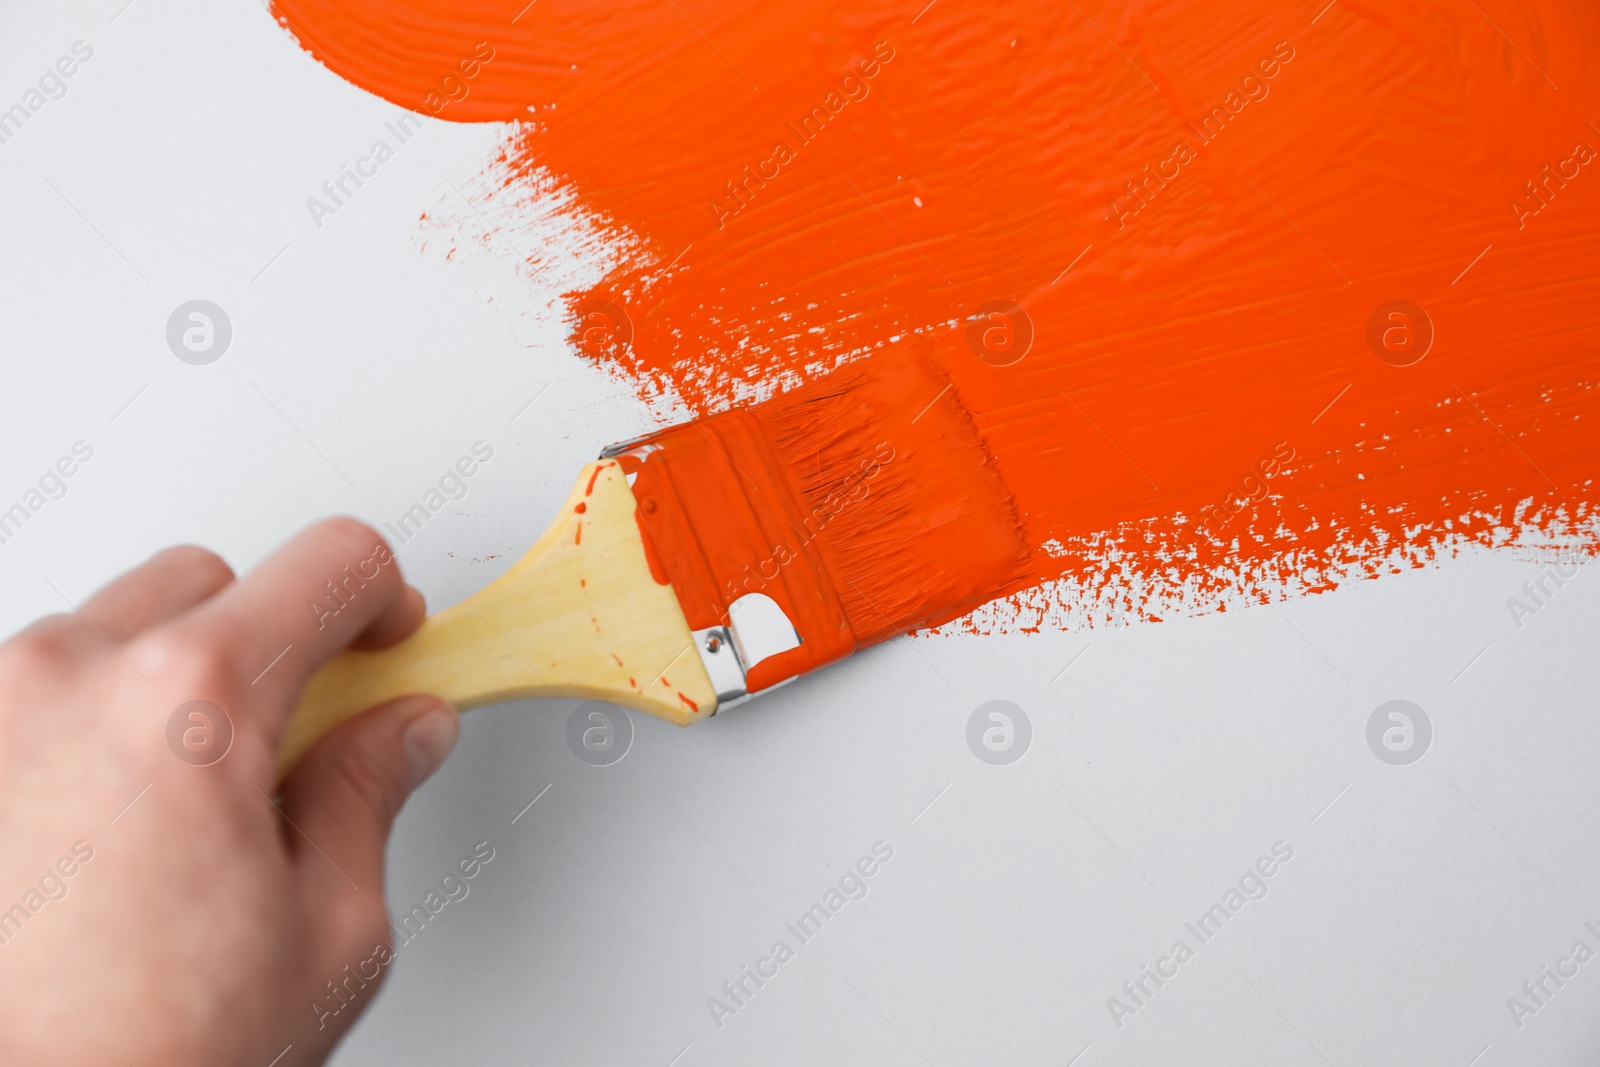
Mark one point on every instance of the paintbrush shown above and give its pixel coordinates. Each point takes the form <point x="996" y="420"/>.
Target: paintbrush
<point x="708" y="562"/>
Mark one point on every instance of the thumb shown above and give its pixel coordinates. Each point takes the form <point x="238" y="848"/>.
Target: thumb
<point x="341" y="799"/>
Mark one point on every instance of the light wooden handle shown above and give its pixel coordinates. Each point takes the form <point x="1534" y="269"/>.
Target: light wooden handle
<point x="579" y="615"/>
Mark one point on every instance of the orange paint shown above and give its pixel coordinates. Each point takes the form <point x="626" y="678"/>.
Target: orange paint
<point x="1199" y="207"/>
<point x="863" y="504"/>
<point x="581" y="508"/>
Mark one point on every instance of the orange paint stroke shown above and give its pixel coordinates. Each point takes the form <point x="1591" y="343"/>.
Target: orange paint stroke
<point x="1198" y="208"/>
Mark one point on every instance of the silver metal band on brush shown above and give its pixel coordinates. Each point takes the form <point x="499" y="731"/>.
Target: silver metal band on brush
<point x="757" y="625"/>
<point x="613" y="451"/>
<point x="757" y="628"/>
<point x="719" y="654"/>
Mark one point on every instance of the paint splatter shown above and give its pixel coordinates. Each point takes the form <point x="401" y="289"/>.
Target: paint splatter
<point x="1163" y="250"/>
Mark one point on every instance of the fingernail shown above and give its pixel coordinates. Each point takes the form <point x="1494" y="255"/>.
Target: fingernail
<point x="427" y="740"/>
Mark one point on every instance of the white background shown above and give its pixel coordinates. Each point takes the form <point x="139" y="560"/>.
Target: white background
<point x="1163" y="763"/>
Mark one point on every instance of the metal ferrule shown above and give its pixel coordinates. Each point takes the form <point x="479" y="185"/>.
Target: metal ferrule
<point x="633" y="444"/>
<point x="757" y="626"/>
<point x="719" y="654"/>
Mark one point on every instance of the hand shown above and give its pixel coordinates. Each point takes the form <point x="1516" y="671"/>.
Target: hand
<point x="162" y="899"/>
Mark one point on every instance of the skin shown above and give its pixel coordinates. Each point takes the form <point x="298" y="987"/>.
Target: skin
<point x="209" y="917"/>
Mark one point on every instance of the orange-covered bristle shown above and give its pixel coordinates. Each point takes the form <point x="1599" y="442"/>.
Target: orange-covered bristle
<point x="919" y="528"/>
<point x="864" y="505"/>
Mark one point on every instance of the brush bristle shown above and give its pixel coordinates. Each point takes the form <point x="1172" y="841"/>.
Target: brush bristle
<point x="920" y="527"/>
<point x="864" y="505"/>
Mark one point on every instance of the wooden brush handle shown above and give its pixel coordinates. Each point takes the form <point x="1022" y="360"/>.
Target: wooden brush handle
<point x="579" y="615"/>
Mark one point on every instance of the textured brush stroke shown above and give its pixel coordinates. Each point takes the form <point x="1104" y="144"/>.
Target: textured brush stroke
<point x="1222" y="324"/>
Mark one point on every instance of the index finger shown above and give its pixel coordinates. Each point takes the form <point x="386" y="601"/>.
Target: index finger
<point x="334" y="584"/>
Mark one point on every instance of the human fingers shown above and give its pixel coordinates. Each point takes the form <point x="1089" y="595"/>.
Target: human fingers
<point x="341" y="800"/>
<point x="346" y="791"/>
<point x="167" y="584"/>
<point x="334" y="584"/>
